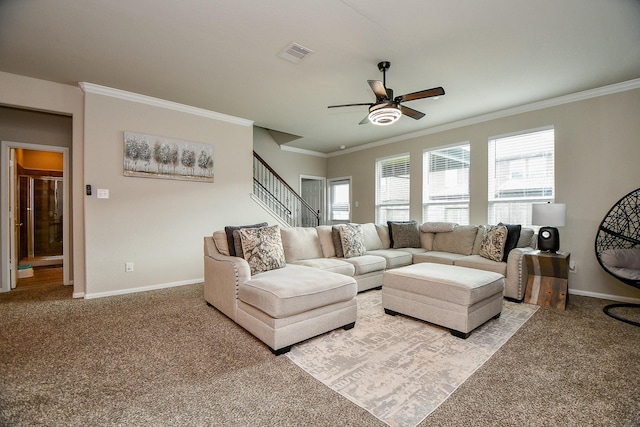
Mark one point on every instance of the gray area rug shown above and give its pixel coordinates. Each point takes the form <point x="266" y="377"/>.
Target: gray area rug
<point x="401" y="369"/>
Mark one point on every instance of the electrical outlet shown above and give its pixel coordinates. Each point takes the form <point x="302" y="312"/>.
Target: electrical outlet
<point x="573" y="267"/>
<point x="128" y="267"/>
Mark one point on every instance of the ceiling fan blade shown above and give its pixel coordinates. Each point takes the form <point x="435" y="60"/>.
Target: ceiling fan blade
<point x="378" y="88"/>
<point x="414" y="114"/>
<point x="436" y="91"/>
<point x="350" y="105"/>
<point x="365" y="120"/>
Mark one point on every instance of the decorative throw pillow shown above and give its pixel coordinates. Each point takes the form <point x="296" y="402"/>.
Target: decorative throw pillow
<point x="405" y="235"/>
<point x="492" y="247"/>
<point x="229" y="231"/>
<point x="389" y="223"/>
<point x="337" y="241"/>
<point x="352" y="239"/>
<point x="262" y="248"/>
<point x="220" y="240"/>
<point x="513" y="235"/>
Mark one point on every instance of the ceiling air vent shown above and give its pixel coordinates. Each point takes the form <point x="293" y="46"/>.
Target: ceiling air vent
<point x="294" y="53"/>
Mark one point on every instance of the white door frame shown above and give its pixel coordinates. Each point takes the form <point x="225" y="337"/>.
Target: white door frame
<point x="323" y="196"/>
<point x="9" y="265"/>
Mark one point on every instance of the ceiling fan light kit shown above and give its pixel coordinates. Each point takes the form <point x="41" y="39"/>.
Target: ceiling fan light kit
<point x="387" y="109"/>
<point x="384" y="115"/>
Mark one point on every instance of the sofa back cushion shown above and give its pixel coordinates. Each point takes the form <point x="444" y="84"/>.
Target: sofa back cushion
<point x="300" y="243"/>
<point x="372" y="240"/>
<point x="526" y="235"/>
<point x="459" y="241"/>
<point x="383" y="234"/>
<point x="326" y="240"/>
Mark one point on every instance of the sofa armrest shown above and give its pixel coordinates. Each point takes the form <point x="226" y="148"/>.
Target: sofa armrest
<point x="222" y="276"/>
<point x="517" y="274"/>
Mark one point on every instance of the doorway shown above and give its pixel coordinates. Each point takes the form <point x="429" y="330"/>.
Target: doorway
<point x="35" y="239"/>
<point x="312" y="191"/>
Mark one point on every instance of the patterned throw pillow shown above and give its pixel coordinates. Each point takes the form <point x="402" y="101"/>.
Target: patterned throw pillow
<point x="405" y="234"/>
<point x="493" y="242"/>
<point x="262" y="248"/>
<point x="352" y="238"/>
<point x="230" y="241"/>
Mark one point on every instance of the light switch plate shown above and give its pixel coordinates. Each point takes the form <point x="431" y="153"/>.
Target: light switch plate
<point x="103" y="193"/>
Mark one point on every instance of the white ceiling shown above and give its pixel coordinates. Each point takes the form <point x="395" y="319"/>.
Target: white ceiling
<point x="222" y="55"/>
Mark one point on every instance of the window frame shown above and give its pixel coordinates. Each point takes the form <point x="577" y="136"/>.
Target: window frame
<point x="447" y="201"/>
<point x="517" y="207"/>
<point x="330" y="204"/>
<point x="400" y="205"/>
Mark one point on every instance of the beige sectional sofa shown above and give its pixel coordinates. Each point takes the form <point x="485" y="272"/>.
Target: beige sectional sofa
<point x="314" y="291"/>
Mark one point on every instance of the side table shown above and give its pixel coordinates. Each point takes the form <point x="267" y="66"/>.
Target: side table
<point x="548" y="281"/>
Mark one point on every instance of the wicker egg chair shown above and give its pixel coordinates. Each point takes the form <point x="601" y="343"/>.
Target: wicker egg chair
<point x="618" y="247"/>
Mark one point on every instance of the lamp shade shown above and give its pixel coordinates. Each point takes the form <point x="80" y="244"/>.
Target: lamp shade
<point x="548" y="214"/>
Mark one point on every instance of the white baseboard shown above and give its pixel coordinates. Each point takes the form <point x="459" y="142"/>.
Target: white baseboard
<point x="604" y="296"/>
<point x="141" y="289"/>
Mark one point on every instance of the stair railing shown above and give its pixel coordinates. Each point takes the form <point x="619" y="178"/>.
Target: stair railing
<point x="283" y="200"/>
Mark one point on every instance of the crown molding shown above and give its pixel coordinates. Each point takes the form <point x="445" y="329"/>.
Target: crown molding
<point x="553" y="102"/>
<point x="157" y="102"/>
<point x="303" y="151"/>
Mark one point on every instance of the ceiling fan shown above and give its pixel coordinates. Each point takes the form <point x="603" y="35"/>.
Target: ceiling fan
<point x="387" y="109"/>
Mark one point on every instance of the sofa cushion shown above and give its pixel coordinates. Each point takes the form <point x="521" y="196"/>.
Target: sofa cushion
<point x="296" y="289"/>
<point x="437" y="257"/>
<point x="229" y="231"/>
<point x="480" y="263"/>
<point x="394" y="257"/>
<point x="526" y="235"/>
<point x="495" y="237"/>
<point x="262" y="248"/>
<point x="478" y="242"/>
<point x="459" y="241"/>
<point x="372" y="240"/>
<point x="437" y="227"/>
<point x="404" y="235"/>
<point x="335" y="265"/>
<point x="300" y="243"/>
<point x="326" y="240"/>
<point x="352" y="239"/>
<point x="513" y="235"/>
<point x="383" y="233"/>
<point x="220" y="240"/>
<point x="367" y="264"/>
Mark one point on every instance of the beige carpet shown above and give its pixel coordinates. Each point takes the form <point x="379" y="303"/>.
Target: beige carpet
<point x="400" y="369"/>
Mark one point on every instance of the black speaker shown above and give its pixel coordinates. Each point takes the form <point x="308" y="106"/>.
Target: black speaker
<point x="548" y="239"/>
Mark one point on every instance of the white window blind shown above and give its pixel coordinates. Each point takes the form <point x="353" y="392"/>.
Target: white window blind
<point x="445" y="184"/>
<point x="521" y="172"/>
<point x="392" y="189"/>
<point x="340" y="200"/>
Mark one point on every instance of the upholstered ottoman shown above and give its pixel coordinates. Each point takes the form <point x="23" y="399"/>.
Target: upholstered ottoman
<point x="457" y="298"/>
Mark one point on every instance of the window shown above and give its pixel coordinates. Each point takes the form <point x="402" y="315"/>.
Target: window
<point x="445" y="185"/>
<point x="392" y="189"/>
<point x="340" y="200"/>
<point x="521" y="172"/>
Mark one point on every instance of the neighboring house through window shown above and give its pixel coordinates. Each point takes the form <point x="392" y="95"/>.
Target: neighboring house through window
<point x="392" y="188"/>
<point x="445" y="184"/>
<point x="521" y="172"/>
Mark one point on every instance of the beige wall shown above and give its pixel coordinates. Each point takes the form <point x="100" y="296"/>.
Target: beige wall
<point x="289" y="165"/>
<point x="158" y="224"/>
<point x="597" y="152"/>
